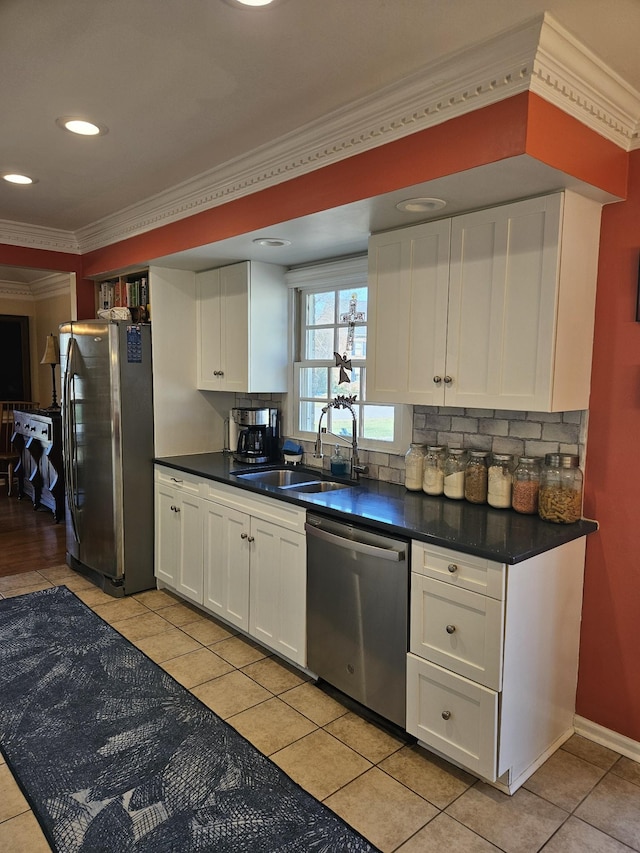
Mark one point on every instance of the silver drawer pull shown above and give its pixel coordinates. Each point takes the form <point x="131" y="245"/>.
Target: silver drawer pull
<point x="244" y="535"/>
<point x="250" y="538"/>
<point x="175" y="480"/>
<point x="451" y="629"/>
<point x="452" y="567"/>
<point x="437" y="379"/>
<point x="446" y="715"/>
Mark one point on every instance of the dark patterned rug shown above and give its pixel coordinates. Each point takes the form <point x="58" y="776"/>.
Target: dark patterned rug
<point x="114" y="755"/>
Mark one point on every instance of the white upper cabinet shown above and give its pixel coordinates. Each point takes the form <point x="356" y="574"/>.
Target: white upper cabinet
<point x="492" y="309"/>
<point x="242" y="328"/>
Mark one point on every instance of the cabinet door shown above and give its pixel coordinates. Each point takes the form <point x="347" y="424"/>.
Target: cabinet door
<point x="208" y="319"/>
<point x="226" y="563"/>
<point x="408" y="287"/>
<point x="502" y="305"/>
<point x="278" y="589"/>
<point x="167" y="535"/>
<point x="190" y="560"/>
<point x="234" y="327"/>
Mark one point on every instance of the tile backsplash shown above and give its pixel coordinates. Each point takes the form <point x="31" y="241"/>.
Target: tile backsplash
<point x="495" y="430"/>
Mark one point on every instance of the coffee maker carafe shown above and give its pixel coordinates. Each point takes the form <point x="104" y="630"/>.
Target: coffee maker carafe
<point x="257" y="435"/>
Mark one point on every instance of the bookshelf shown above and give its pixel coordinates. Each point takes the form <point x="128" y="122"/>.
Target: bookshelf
<point x="126" y="291"/>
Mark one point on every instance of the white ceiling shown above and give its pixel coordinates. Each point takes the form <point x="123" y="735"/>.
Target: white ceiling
<point x="185" y="87"/>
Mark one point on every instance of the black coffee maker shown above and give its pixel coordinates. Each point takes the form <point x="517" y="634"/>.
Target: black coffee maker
<point x="257" y="431"/>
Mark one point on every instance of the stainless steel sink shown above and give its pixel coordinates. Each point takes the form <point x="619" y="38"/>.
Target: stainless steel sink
<point x="319" y="486"/>
<point x="292" y="480"/>
<point x="277" y="477"/>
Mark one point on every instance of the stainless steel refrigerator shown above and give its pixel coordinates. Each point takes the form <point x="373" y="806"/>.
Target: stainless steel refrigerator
<point x="107" y="417"/>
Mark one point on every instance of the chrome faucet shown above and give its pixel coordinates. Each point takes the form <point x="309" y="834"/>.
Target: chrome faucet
<point x="342" y="402"/>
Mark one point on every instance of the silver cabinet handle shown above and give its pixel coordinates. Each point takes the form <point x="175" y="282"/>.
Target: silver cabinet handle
<point x="446" y="715"/>
<point x="448" y="380"/>
<point x="218" y="372"/>
<point x="250" y="538"/>
<point x="451" y="629"/>
<point x="175" y="508"/>
<point x="437" y="379"/>
<point x="244" y="535"/>
<point x="176" y="480"/>
<point x="452" y="567"/>
<point x="354" y="545"/>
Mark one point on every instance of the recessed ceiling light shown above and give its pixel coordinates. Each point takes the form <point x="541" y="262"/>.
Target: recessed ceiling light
<point x="420" y="205"/>
<point x="252" y="3"/>
<point x="19" y="179"/>
<point x="80" y="126"/>
<point x="271" y="242"/>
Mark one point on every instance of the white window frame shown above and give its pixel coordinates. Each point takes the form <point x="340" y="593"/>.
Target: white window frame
<point x="331" y="275"/>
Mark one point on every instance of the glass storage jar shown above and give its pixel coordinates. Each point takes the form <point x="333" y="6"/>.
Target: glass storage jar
<point x="526" y="485"/>
<point x="475" y="477"/>
<point x="454" y="466"/>
<point x="413" y="464"/>
<point x="433" y="470"/>
<point x="560" y="497"/>
<point x="500" y="481"/>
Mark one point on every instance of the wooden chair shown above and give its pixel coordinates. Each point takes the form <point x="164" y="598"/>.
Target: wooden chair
<point x="8" y="456"/>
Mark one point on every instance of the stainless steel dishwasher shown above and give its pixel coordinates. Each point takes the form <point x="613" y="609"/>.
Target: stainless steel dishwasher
<point x="357" y="601"/>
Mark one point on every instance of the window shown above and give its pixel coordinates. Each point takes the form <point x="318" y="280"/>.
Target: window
<point x="331" y="310"/>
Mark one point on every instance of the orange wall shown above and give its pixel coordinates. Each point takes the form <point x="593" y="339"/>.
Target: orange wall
<point x="609" y="677"/>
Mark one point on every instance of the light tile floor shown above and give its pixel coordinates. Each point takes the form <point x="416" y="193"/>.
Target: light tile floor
<point x="584" y="799"/>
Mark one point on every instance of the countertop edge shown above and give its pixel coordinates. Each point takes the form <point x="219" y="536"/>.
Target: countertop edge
<point x="219" y="467"/>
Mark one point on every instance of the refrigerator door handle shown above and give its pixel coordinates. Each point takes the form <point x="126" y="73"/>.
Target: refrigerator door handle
<point x="68" y="414"/>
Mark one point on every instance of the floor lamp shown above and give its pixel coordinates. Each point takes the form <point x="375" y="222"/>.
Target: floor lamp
<point x="52" y="356"/>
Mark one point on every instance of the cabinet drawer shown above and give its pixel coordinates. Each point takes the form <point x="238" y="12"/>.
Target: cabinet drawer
<point x="188" y="483"/>
<point x="457" y="629"/>
<point x="265" y="508"/>
<point x="454" y="716"/>
<point x="463" y="570"/>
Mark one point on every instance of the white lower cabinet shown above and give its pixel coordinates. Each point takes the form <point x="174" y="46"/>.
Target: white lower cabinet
<point x="493" y="658"/>
<point x="241" y="557"/>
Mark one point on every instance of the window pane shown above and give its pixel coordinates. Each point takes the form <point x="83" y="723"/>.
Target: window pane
<point x="359" y="349"/>
<point x="347" y="389"/>
<point x="314" y="382"/>
<point x="321" y="308"/>
<point x="344" y="303"/>
<point x="319" y="344"/>
<point x="310" y="415"/>
<point x="342" y="422"/>
<point x="378" y="423"/>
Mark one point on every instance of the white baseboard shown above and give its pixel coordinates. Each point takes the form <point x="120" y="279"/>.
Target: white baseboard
<point x="606" y="737"/>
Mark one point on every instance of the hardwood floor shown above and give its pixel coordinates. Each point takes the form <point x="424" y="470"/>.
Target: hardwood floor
<point x="29" y="539"/>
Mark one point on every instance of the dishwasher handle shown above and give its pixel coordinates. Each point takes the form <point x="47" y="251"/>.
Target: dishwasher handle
<point x="353" y="545"/>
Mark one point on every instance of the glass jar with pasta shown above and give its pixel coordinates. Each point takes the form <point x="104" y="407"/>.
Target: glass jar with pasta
<point x="560" y="498"/>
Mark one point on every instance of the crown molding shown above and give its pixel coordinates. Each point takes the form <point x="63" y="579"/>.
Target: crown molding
<point x="573" y="78"/>
<point x="538" y="56"/>
<point x="36" y="237"/>
<point x="56" y="284"/>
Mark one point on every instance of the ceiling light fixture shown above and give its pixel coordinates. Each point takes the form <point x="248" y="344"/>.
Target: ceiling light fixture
<point x="80" y="126"/>
<point x="271" y="242"/>
<point x="249" y="4"/>
<point x="19" y="179"/>
<point x="420" y="205"/>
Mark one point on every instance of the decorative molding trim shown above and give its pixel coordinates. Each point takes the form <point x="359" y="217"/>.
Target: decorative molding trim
<point x="571" y="77"/>
<point x="36" y="237"/>
<point x="605" y="737"/>
<point x="56" y="284"/>
<point x="15" y="290"/>
<point x="539" y="56"/>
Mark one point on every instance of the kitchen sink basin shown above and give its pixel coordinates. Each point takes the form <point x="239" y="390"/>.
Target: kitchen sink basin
<point x="292" y="480"/>
<point x="277" y="477"/>
<point x="318" y="486"/>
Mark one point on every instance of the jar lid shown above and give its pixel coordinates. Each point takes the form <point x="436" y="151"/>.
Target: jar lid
<point x="456" y="451"/>
<point x="502" y="457"/>
<point x="529" y="460"/>
<point x="562" y="460"/>
<point x="479" y="454"/>
<point x="435" y="448"/>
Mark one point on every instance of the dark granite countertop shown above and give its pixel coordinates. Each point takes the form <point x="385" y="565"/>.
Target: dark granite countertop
<point x="501" y="535"/>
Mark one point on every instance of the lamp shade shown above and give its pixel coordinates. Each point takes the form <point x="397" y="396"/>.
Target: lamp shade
<point x="52" y="352"/>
